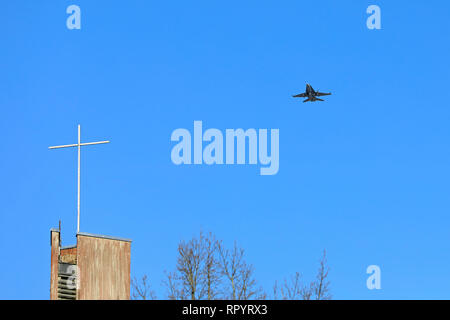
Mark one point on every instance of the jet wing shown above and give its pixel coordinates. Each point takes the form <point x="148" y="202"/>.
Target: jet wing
<point x="319" y="94"/>
<point x="301" y="95"/>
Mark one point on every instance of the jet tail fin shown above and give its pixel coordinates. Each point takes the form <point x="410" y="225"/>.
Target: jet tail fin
<point x="307" y="100"/>
<point x="320" y="99"/>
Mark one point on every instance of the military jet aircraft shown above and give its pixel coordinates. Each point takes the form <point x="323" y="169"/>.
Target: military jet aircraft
<point x="311" y="94"/>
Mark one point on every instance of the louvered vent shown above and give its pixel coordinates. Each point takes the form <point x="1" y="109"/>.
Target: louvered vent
<point x="67" y="281"/>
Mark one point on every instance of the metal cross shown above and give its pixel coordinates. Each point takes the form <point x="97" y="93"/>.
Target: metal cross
<point x="79" y="145"/>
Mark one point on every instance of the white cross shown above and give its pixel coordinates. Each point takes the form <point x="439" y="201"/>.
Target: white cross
<point x="79" y="144"/>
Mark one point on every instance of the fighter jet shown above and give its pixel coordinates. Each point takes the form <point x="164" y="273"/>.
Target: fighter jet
<point x="311" y="94"/>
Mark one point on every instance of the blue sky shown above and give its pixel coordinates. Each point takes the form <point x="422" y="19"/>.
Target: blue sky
<point x="364" y="175"/>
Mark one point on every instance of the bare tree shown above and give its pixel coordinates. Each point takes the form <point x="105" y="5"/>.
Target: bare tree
<point x="318" y="289"/>
<point x="211" y="269"/>
<point x="275" y="290"/>
<point x="321" y="286"/>
<point x="292" y="289"/>
<point x="174" y="288"/>
<point x="141" y="289"/>
<point x="196" y="276"/>
<point x="188" y="265"/>
<point x="239" y="275"/>
<point x="205" y="269"/>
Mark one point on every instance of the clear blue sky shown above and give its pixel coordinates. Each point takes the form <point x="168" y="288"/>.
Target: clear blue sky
<point x="364" y="175"/>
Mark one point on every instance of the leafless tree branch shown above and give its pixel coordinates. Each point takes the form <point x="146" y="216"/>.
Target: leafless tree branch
<point x="321" y="286"/>
<point x="239" y="275"/>
<point x="294" y="289"/>
<point x="141" y="289"/>
<point x="205" y="269"/>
